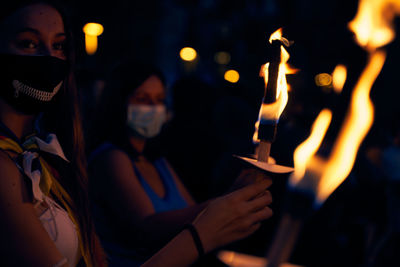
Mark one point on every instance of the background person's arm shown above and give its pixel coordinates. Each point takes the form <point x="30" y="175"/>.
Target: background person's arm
<point x="226" y="219"/>
<point x="114" y="178"/>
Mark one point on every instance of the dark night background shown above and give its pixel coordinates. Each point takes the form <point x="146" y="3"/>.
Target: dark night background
<point x="358" y="224"/>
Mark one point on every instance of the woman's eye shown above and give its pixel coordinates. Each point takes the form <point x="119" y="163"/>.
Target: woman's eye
<point x="59" y="46"/>
<point x="28" y="44"/>
<point x="143" y="100"/>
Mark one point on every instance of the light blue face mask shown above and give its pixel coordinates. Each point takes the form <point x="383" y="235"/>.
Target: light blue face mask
<point x="146" y="120"/>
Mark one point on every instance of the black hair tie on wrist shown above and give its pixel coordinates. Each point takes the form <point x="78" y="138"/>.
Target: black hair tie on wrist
<point x="196" y="238"/>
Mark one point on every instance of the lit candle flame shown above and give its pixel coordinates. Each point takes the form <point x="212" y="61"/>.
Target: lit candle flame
<point x="273" y="111"/>
<point x="276" y="35"/>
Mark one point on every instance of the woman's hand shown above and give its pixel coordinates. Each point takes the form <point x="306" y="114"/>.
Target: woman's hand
<point x="224" y="220"/>
<point x="248" y="176"/>
<point x="234" y="216"/>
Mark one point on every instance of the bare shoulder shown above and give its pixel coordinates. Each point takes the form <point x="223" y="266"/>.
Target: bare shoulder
<point x="118" y="155"/>
<point x="119" y="163"/>
<point x="21" y="231"/>
<point x="110" y="159"/>
<point x="107" y="166"/>
<point x="6" y="161"/>
<point x="113" y="172"/>
<point x="13" y="187"/>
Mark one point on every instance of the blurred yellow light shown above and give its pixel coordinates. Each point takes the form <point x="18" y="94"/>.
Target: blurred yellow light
<point x="232" y="76"/>
<point x="339" y="78"/>
<point x="188" y="54"/>
<point x="94" y="29"/>
<point x="323" y="79"/>
<point x="222" y="58"/>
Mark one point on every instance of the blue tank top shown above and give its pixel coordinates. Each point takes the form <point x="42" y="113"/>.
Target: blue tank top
<point x="173" y="198"/>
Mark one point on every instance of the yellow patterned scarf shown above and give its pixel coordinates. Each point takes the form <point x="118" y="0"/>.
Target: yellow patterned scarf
<point x="48" y="183"/>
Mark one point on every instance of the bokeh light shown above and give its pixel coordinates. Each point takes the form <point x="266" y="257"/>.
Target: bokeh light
<point x="323" y="79"/>
<point x="92" y="30"/>
<point x="232" y="76"/>
<point x="188" y="54"/>
<point x="222" y="57"/>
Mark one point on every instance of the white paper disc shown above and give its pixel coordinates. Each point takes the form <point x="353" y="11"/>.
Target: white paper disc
<point x="270" y="167"/>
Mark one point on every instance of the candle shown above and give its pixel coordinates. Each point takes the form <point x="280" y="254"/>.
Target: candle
<point x="275" y="94"/>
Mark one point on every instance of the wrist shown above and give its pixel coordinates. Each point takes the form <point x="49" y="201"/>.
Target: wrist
<point x="208" y="238"/>
<point x="196" y="239"/>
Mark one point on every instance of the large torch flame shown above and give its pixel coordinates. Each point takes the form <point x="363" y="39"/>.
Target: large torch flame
<point x="372" y="32"/>
<point x="273" y="111"/>
<point x="306" y="150"/>
<point x="357" y="123"/>
<point x="317" y="176"/>
<point x="373" y="23"/>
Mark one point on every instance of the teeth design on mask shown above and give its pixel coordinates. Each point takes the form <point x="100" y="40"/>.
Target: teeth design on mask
<point x="34" y="93"/>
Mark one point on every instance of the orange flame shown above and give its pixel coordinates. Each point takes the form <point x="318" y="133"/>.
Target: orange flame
<point x="306" y="150"/>
<point x="357" y="123"/>
<point x="276" y="35"/>
<point x="274" y="110"/>
<point x="373" y="23"/>
<point x="372" y="32"/>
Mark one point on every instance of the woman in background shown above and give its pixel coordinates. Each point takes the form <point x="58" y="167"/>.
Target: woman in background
<point x="139" y="201"/>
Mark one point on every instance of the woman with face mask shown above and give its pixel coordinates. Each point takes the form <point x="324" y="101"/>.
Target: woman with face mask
<point x="139" y="202"/>
<point x="43" y="196"/>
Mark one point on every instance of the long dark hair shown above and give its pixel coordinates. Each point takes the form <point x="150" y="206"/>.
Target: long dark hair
<point x="64" y="119"/>
<point x="111" y="112"/>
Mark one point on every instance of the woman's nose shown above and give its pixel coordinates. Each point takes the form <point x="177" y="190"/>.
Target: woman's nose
<point x="152" y="102"/>
<point x="46" y="50"/>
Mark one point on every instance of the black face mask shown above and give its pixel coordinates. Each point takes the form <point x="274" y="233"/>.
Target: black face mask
<point x="30" y="83"/>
